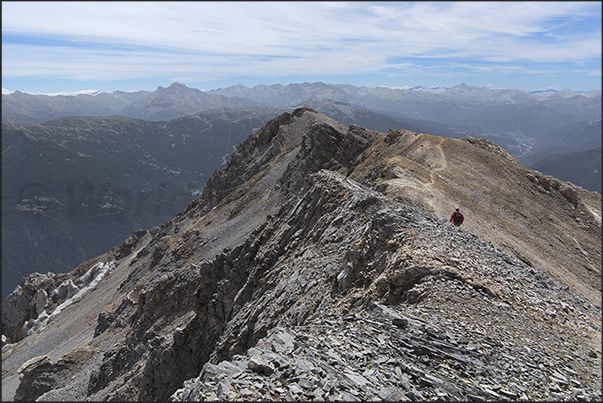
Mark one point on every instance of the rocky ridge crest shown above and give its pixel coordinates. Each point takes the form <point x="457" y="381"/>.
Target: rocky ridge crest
<point x="305" y="271"/>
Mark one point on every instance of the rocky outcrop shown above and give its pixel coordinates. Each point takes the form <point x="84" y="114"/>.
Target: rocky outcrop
<point x="551" y="184"/>
<point x="33" y="302"/>
<point x="297" y="275"/>
<point x="40" y="375"/>
<point x="488" y="145"/>
<point x="375" y="355"/>
<point x="28" y="302"/>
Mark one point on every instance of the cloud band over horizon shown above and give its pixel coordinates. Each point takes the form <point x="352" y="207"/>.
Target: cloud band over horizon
<point x="522" y="45"/>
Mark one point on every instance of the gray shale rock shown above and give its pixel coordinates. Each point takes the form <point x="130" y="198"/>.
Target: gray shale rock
<point x="370" y="359"/>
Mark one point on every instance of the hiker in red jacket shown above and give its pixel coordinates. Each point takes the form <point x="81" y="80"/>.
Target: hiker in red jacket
<point x="457" y="218"/>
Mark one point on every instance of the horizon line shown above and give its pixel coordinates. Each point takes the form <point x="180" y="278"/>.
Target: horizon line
<point x="94" y="92"/>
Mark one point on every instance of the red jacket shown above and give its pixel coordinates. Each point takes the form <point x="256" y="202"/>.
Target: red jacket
<point x="462" y="217"/>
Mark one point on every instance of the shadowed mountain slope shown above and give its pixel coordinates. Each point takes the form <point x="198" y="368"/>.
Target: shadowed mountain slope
<point x="76" y="186"/>
<point x="319" y="264"/>
<point x="582" y="168"/>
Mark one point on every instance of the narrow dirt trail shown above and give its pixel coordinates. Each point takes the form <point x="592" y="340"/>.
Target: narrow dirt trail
<point x="441" y="163"/>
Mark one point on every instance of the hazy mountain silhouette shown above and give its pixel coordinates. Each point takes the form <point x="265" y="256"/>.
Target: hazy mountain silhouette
<point x="42" y="108"/>
<point x="528" y="125"/>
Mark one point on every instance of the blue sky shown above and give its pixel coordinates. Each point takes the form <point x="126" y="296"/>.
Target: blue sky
<point x="51" y="47"/>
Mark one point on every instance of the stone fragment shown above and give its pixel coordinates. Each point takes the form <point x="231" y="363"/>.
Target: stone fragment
<point x="400" y="322"/>
<point x="282" y="343"/>
<point x="348" y="396"/>
<point x="414" y="394"/>
<point x="319" y="393"/>
<point x="559" y="377"/>
<point x="569" y="370"/>
<point x="223" y="388"/>
<point x="405" y="381"/>
<point x="490" y="392"/>
<point x="31" y="365"/>
<point x="306" y="383"/>
<point x="40" y="300"/>
<point x="391" y="393"/>
<point x="432" y="380"/>
<point x="462" y="340"/>
<point x="356" y="379"/>
<point x="179" y="336"/>
<point x="295" y="389"/>
<point x="260" y="365"/>
<point x="509" y="394"/>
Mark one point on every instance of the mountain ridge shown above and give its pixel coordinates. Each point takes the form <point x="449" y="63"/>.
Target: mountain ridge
<point x="516" y="119"/>
<point x="583" y="135"/>
<point x="520" y="120"/>
<point x="316" y="239"/>
<point x="547" y="92"/>
<point x="153" y="175"/>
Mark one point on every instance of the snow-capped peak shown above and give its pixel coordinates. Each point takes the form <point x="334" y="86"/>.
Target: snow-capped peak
<point x="415" y="88"/>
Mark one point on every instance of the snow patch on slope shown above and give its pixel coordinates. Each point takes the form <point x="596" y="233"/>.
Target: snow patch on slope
<point x="87" y="282"/>
<point x="596" y="213"/>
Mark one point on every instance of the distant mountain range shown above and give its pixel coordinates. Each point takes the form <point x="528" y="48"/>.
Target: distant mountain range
<point x="530" y="125"/>
<point x="179" y="100"/>
<point x="564" y="93"/>
<point x="117" y="158"/>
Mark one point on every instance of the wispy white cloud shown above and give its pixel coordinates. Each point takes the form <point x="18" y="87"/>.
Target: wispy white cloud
<point x="121" y="40"/>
